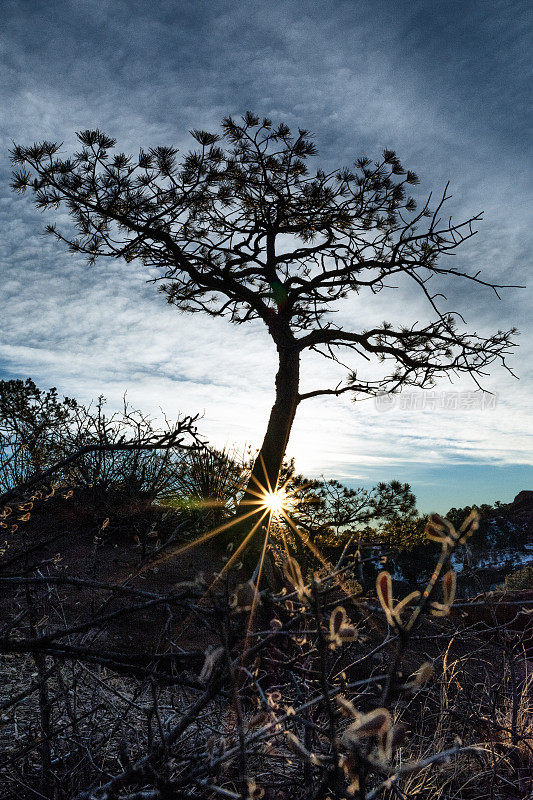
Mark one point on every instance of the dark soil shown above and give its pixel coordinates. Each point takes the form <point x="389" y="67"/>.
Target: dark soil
<point x="136" y="548"/>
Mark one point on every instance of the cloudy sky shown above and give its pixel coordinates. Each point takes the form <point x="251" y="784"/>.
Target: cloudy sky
<point x="445" y="84"/>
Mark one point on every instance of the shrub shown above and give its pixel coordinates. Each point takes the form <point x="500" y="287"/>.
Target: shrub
<point x="208" y="485"/>
<point x="34" y="425"/>
<point x="521" y="579"/>
<point x="38" y="432"/>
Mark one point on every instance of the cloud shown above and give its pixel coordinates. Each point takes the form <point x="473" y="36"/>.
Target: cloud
<point x="439" y="83"/>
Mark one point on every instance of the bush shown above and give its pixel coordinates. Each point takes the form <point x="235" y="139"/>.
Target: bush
<point x="521" y="579"/>
<point x="33" y="427"/>
<point x="38" y="431"/>
<point x="207" y="486"/>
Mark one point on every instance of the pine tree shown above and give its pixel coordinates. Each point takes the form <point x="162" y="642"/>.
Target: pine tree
<point x="241" y="228"/>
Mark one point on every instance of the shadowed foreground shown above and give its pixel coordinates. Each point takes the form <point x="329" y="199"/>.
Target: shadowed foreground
<point x="128" y="673"/>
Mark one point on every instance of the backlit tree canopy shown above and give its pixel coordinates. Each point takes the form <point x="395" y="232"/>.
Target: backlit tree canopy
<point x="240" y="227"/>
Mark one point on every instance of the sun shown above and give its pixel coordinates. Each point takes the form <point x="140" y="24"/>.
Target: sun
<point x="274" y="502"/>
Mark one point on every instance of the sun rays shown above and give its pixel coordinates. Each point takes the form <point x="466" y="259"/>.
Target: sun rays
<point x="271" y="511"/>
<point x="275" y="506"/>
<point x="275" y="503"/>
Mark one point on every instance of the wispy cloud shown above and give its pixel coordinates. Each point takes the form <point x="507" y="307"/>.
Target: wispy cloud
<point x="440" y="83"/>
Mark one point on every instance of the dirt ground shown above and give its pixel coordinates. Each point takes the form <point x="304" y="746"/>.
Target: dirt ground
<point x="142" y="551"/>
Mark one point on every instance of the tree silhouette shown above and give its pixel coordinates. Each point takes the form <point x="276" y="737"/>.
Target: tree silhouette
<point x="33" y="424"/>
<point x="240" y="228"/>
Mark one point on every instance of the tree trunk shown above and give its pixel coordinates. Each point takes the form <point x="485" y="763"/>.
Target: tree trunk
<point x="270" y="458"/>
<point x="268" y="463"/>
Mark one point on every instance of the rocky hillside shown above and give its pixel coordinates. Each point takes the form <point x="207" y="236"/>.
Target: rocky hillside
<point x="522" y="510"/>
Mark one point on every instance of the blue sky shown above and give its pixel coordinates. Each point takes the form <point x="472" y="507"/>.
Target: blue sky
<point x="445" y="84"/>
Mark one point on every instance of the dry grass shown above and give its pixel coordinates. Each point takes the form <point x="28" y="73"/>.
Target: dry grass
<point x="251" y="709"/>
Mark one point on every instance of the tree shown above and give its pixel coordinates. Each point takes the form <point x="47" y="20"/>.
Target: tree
<point x="328" y="519"/>
<point x="500" y="526"/>
<point x="240" y="228"/>
<point x="33" y="427"/>
<point x="328" y="508"/>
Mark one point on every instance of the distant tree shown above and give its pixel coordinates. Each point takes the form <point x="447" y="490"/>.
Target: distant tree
<point x="33" y="426"/>
<point x="240" y="228"/>
<point x="328" y="508"/>
<point x="500" y="526"/>
<point x="403" y="541"/>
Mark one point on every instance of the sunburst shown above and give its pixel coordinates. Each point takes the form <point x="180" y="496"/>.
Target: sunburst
<point x="275" y="503"/>
<point x="269" y="511"/>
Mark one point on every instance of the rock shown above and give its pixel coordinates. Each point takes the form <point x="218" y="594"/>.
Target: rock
<point x="522" y="510"/>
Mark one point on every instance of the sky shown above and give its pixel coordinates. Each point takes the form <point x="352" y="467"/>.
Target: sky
<point x="445" y="84"/>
